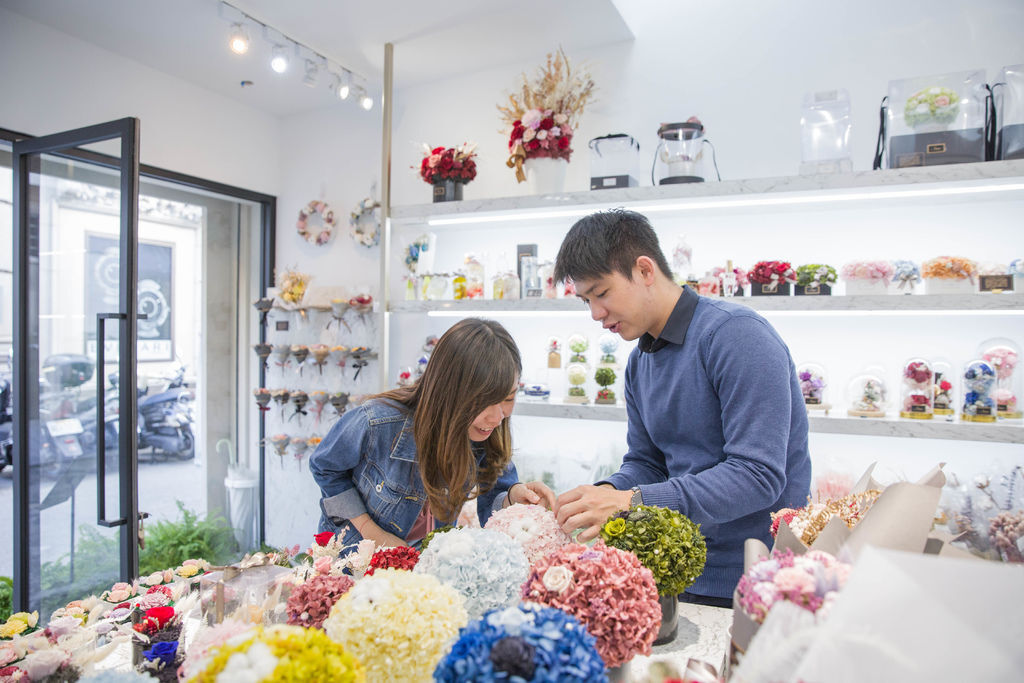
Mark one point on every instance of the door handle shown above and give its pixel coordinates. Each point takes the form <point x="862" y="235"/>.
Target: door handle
<point x="101" y="423"/>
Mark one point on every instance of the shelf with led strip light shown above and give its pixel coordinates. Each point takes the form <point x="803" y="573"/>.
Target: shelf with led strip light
<point x="979" y="303"/>
<point x="992" y="178"/>
<point x="1000" y="432"/>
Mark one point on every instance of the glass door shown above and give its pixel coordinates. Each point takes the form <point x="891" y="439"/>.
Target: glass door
<point x="75" y="341"/>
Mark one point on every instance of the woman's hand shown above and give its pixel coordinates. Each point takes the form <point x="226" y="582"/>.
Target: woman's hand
<point x="367" y="528"/>
<point x="531" y="493"/>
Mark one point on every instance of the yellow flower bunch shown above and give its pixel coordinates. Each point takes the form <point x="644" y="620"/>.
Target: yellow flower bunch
<point x="399" y="624"/>
<point x="18" y="623"/>
<point x="302" y="655"/>
<point x="292" y="286"/>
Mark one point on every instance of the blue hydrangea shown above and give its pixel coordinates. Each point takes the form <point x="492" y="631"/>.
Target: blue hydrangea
<point x="507" y="644"/>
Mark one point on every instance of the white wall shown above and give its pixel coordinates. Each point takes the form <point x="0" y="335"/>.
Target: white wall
<point x="741" y="66"/>
<point x="51" y="82"/>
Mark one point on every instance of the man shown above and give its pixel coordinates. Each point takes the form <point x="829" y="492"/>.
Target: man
<point x="717" y="427"/>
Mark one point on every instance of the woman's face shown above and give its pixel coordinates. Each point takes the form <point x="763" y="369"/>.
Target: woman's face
<point x="492" y="416"/>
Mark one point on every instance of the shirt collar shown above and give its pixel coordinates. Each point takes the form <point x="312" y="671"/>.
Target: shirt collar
<point x="676" y="326"/>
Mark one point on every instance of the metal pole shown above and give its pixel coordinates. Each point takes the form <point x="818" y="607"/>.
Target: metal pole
<point x="385" y="203"/>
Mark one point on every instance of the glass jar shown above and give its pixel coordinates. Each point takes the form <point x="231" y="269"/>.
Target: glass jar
<point x="546" y="271"/>
<point x="1003" y="354"/>
<point x="577" y="376"/>
<point x="979" y="379"/>
<point x="438" y="288"/>
<point x="943" y="389"/>
<point x="459" y="287"/>
<point x="917" y="393"/>
<point x="578" y="344"/>
<point x="814" y="386"/>
<point x="867" y="395"/>
<point x="474" y="277"/>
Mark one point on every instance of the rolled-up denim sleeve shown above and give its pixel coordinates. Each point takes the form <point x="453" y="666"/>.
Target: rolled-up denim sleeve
<point x="332" y="464"/>
<point x="495" y="498"/>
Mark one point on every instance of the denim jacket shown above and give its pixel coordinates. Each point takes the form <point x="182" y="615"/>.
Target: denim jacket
<point x="367" y="463"/>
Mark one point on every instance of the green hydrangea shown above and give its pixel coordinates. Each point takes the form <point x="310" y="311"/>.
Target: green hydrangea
<point x="665" y="541"/>
<point x="815" y="273"/>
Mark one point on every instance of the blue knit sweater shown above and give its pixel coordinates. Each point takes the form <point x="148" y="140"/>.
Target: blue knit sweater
<point x="717" y="429"/>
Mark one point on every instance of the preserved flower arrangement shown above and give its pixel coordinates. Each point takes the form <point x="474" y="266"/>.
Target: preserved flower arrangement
<point x="608" y="344"/>
<point x="772" y="278"/>
<point x="867" y="394"/>
<point x="310" y="603"/>
<point x="398" y="624"/>
<point x="577" y="374"/>
<point x="815" y="278"/>
<point x="543" y="114"/>
<point x="918" y="390"/>
<point x="665" y="541"/>
<point x="742" y="280"/>
<point x="605" y="377"/>
<point x="813" y="386"/>
<point x="867" y="277"/>
<point x="578" y="344"/>
<point x="533" y="527"/>
<point x="944" y="402"/>
<point x="809" y="521"/>
<point x="454" y="164"/>
<point x="554" y="352"/>
<point x="979" y="380"/>
<point x="933" y="105"/>
<point x="608" y="590"/>
<point x="906" y="275"/>
<point x="402" y="557"/>
<point x="1004" y="355"/>
<point x="527" y="642"/>
<point x="486" y="567"/>
<point x="291" y="287"/>
<point x="949" y="275"/>
<point x="811" y="581"/>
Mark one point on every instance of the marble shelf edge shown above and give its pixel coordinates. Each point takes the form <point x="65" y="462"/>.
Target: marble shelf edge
<point x="989" y="170"/>
<point x="916" y="302"/>
<point x="919" y="429"/>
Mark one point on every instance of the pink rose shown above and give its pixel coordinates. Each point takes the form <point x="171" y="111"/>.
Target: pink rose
<point x="542" y="134"/>
<point x="322" y="565"/>
<point x="119" y="595"/>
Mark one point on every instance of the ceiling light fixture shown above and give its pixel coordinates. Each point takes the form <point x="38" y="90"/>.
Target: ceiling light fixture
<point x="239" y="40"/>
<point x="340" y="79"/>
<point x="278" y="59"/>
<point x="311" y="75"/>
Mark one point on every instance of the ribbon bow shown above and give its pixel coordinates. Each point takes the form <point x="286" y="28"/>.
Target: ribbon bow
<point x="516" y="161"/>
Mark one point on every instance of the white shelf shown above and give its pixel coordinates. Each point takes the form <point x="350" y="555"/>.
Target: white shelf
<point x="916" y="429"/>
<point x="916" y="302"/>
<point x="763" y="191"/>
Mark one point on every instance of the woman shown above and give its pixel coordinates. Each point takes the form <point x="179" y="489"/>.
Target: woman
<point x="405" y="461"/>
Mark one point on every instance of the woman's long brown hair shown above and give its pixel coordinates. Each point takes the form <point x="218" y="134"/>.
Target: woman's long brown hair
<point x="475" y="365"/>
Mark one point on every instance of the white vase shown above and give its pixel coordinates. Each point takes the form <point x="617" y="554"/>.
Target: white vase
<point x="863" y="286"/>
<point x="545" y="175"/>
<point x="949" y="286"/>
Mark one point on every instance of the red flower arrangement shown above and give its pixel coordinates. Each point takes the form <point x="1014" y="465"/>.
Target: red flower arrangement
<point x="324" y="537"/>
<point x="402" y="557"/>
<point x="455" y="163"/>
<point x="767" y="272"/>
<point x="156" y="618"/>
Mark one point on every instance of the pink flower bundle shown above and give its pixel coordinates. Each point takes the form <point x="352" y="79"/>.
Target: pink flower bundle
<point x="607" y="590"/>
<point x="812" y="581"/>
<point x="311" y="603"/>
<point x="1003" y="358"/>
<point x="868" y="270"/>
<point x="534" y="527"/>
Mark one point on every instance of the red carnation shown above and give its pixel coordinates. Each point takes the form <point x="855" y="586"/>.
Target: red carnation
<point x="402" y="557"/>
<point x="563" y="143"/>
<point x="325" y="537"/>
<point x="945" y="386"/>
<point x="547" y="123"/>
<point x="437" y="150"/>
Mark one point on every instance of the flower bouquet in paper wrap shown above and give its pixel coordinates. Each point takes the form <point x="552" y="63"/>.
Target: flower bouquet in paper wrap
<point x="279" y="653"/>
<point x="486" y="567"/>
<point x="399" y="624"/>
<point x="543" y="114"/>
<point x="252" y="590"/>
<point x="608" y="590"/>
<point x="527" y="642"/>
<point x="900" y="517"/>
<point x="986" y="514"/>
<point x="291" y="287"/>
<point x="533" y="527"/>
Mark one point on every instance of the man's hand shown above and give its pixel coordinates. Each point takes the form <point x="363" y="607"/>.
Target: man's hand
<point x="588" y="507"/>
<point x="531" y="493"/>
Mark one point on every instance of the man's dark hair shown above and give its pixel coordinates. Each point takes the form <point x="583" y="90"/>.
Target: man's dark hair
<point x="607" y="242"/>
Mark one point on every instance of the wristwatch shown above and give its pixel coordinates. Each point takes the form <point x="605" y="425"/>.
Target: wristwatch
<point x="636" y="499"/>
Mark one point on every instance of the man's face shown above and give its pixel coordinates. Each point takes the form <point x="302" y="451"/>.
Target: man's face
<point x="617" y="302"/>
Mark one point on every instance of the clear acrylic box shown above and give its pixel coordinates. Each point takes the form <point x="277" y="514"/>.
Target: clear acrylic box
<point x="825" y="132"/>
<point x="917" y="390"/>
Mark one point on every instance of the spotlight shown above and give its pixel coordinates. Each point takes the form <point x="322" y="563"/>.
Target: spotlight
<point x="279" y="60"/>
<point x="312" y="72"/>
<point x="365" y="101"/>
<point x="344" y="89"/>
<point x="239" y="40"/>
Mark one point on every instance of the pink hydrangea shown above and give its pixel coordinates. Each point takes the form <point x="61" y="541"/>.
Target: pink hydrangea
<point x="806" y="580"/>
<point x="611" y="593"/>
<point x="868" y="270"/>
<point x="311" y="603"/>
<point x="534" y="527"/>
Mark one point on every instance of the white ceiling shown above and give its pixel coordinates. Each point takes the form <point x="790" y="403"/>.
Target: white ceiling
<point x="433" y="40"/>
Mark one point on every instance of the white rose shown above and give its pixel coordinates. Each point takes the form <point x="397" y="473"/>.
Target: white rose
<point x="529" y="134"/>
<point x="557" y="579"/>
<point x="541" y="134"/>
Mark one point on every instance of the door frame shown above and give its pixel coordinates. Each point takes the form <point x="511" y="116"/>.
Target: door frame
<point x="267" y="241"/>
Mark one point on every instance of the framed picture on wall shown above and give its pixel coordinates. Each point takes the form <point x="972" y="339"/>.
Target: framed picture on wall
<point x="156" y="268"/>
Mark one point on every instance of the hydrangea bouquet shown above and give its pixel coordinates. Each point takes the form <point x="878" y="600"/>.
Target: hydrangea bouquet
<point x="812" y="581"/>
<point x="533" y="527"/>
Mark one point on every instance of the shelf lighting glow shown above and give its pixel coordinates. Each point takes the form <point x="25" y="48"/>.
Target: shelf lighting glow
<point x="732" y="203"/>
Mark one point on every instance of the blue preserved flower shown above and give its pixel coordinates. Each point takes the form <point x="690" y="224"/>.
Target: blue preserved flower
<point x="528" y="643"/>
<point x="165" y="652"/>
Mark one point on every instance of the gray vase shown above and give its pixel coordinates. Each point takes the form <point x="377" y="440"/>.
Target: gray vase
<point x="669" y="619"/>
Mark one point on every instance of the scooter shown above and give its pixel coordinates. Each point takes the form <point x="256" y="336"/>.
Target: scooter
<point x="165" y="418"/>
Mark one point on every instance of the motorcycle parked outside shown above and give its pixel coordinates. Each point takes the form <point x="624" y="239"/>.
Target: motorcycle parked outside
<point x="165" y="417"/>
